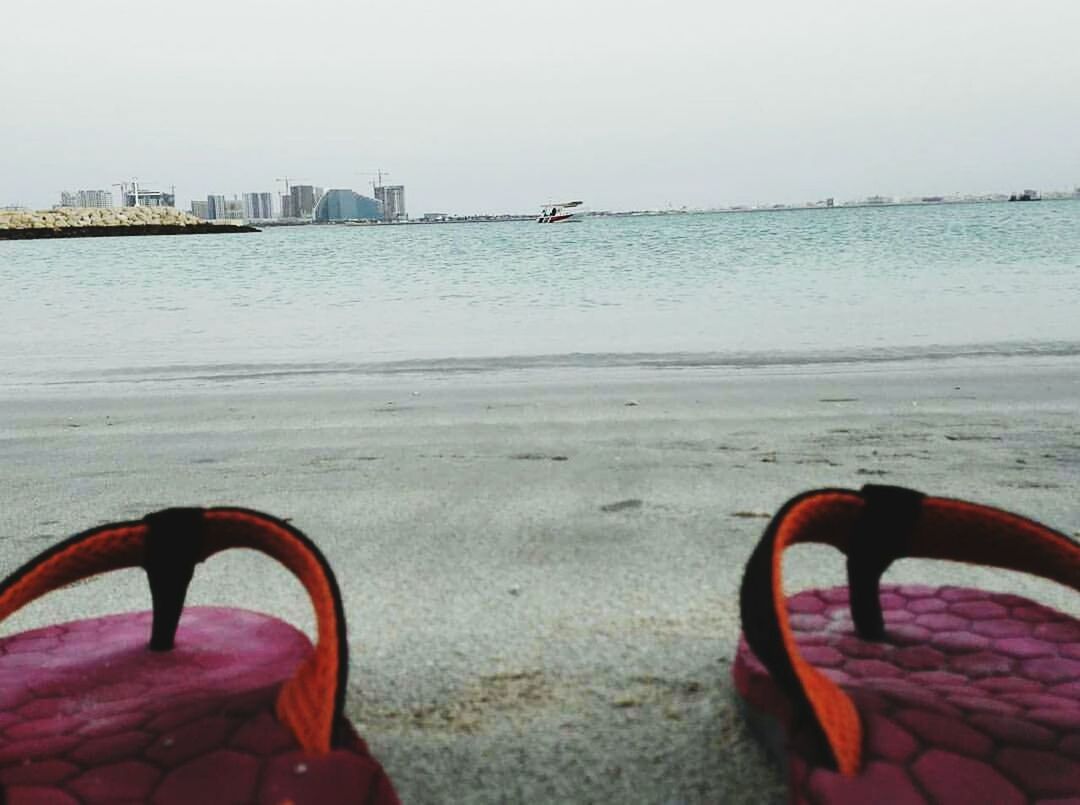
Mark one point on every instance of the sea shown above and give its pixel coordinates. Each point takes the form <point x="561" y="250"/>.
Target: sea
<point x="318" y="304"/>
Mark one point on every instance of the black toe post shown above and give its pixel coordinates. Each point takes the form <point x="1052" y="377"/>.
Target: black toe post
<point x="882" y="536"/>
<point x="173" y="546"/>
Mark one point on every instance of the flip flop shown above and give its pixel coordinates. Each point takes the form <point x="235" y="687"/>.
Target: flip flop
<point x="910" y="694"/>
<point x="203" y="705"/>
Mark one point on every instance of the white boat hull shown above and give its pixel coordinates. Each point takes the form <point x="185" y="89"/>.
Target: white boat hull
<point x="560" y="213"/>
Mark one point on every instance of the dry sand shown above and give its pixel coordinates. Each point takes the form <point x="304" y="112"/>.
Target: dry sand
<point x="540" y="571"/>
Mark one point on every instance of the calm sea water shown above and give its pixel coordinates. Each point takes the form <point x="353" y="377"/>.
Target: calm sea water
<point x="851" y="284"/>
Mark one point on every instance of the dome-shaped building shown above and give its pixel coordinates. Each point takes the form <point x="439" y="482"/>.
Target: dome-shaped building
<point x="347" y="205"/>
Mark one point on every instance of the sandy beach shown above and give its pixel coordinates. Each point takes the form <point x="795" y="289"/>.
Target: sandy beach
<point x="540" y="570"/>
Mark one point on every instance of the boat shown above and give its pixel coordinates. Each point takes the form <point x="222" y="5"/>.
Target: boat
<point x="562" y="213"/>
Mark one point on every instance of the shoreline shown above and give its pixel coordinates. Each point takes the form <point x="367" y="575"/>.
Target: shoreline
<point x="540" y="575"/>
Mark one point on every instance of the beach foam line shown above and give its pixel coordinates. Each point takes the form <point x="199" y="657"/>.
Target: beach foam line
<point x="239" y="372"/>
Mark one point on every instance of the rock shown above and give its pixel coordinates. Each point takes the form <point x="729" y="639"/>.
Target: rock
<point x="97" y="221"/>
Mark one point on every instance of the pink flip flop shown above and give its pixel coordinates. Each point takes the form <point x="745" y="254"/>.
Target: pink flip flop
<point x="204" y="705"/>
<point x="909" y="694"/>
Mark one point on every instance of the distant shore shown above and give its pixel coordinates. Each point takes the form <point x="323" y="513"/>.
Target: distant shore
<point x="739" y="208"/>
<point x="75" y="222"/>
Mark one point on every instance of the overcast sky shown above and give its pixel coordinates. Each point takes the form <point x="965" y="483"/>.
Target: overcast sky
<point x="499" y="105"/>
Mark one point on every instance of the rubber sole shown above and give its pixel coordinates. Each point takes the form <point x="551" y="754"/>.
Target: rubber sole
<point x="974" y="697"/>
<point x="89" y="714"/>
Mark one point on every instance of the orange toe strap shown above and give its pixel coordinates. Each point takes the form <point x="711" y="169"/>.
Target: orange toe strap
<point x="311" y="702"/>
<point x="905" y="523"/>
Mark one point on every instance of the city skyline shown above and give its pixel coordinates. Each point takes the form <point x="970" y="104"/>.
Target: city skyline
<point x="303" y="202"/>
<point x="491" y="107"/>
<point x="1055" y="189"/>
<point x="261" y="205"/>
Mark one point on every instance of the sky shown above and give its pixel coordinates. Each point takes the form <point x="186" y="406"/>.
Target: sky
<point x="481" y="106"/>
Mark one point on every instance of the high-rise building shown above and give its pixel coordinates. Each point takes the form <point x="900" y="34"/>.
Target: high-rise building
<point x="258" y="206"/>
<point x="393" y="201"/>
<point x="215" y="208"/>
<point x="304" y="197"/>
<point x="95" y="198"/>
<point x="286" y="206"/>
<point x="234" y="209"/>
<point x="200" y="209"/>
<point x="86" y="198"/>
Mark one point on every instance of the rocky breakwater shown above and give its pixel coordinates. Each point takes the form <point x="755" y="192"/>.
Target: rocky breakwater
<point x="78" y="222"/>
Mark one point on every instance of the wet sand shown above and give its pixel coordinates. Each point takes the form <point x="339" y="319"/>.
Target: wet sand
<point x="540" y="570"/>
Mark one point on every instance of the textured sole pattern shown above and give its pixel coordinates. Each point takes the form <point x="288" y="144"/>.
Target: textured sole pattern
<point x="974" y="697"/>
<point x="89" y="714"/>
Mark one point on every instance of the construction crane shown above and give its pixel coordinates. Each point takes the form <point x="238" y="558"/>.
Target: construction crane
<point x="289" y="181"/>
<point x="286" y="181"/>
<point x="379" y="173"/>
